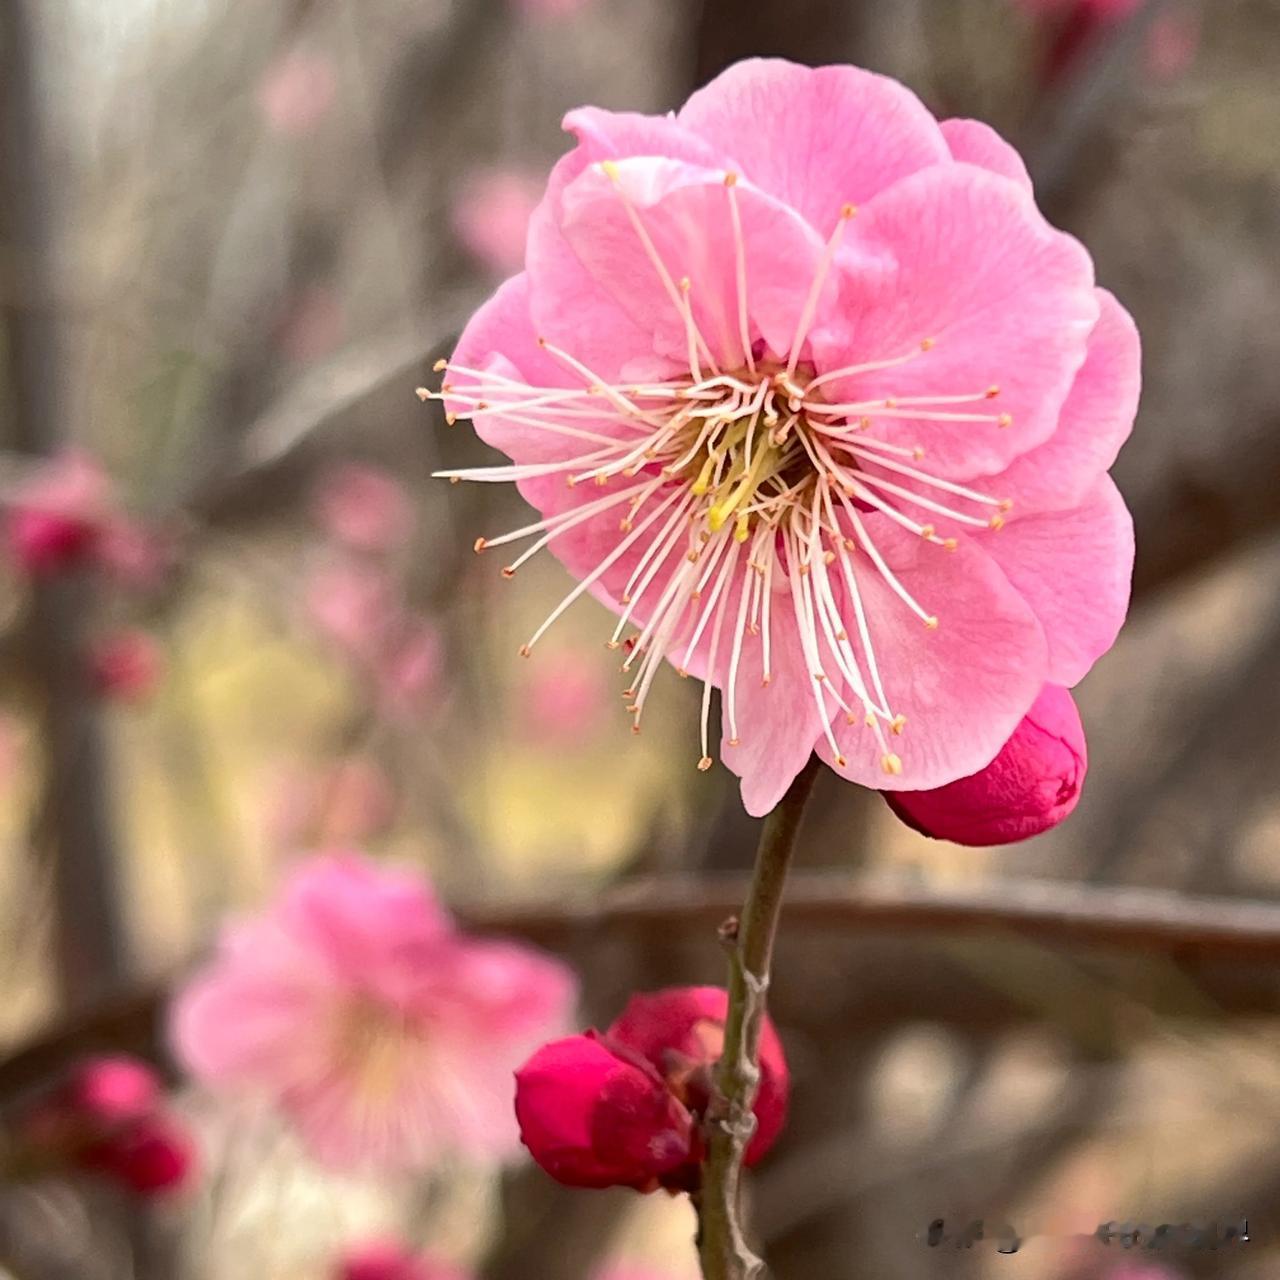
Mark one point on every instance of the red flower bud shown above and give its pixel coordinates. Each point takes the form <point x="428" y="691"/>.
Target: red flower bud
<point x="680" y="1030"/>
<point x="108" y="1117"/>
<point x="149" y="1157"/>
<point x="1031" y="785"/>
<point x="595" y="1115"/>
<point x="45" y="542"/>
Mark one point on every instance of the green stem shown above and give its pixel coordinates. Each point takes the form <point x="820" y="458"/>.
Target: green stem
<point x="722" y="1246"/>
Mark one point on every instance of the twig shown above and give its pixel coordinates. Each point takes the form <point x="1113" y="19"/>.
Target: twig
<point x="722" y="1247"/>
<point x="74" y="820"/>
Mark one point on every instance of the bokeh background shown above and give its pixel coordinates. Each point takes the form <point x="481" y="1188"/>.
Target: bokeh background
<point x="235" y="238"/>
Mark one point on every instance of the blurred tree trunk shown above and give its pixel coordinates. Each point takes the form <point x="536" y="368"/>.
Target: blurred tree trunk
<point x="810" y="31"/>
<point x="72" y="828"/>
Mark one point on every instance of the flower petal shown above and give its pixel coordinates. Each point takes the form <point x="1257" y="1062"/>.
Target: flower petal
<point x="685" y="231"/>
<point x="963" y="687"/>
<point x="973" y="142"/>
<point x="817" y="139"/>
<point x="778" y="724"/>
<point x="570" y="307"/>
<point x="958" y="256"/>
<point x="1096" y="420"/>
<point x="1074" y="568"/>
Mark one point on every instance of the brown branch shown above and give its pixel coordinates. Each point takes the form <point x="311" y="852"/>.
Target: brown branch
<point x="1204" y="929"/>
<point x="1131" y="919"/>
<point x="74" y="824"/>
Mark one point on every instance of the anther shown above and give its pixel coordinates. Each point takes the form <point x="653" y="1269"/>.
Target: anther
<point x="927" y="531"/>
<point x="609" y="169"/>
<point x="422" y="393"/>
<point x="848" y="211"/>
<point x="992" y="391"/>
<point x="891" y="764"/>
<point x="479" y="545"/>
<point x="931" y="622"/>
<point x="928" y="344"/>
<point x="897" y="724"/>
<point x="1004" y="420"/>
<point x="735" y="742"/>
<point x="731" y="179"/>
<point x="704" y="764"/>
<point x="950" y="543"/>
<point x="841" y="762"/>
<point x="525" y="650"/>
<point x="996" y="522"/>
<point x="440" y="365"/>
<point x="508" y="572"/>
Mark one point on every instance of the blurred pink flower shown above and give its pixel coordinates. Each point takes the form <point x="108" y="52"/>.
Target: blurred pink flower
<point x="349" y="801"/>
<point x="134" y="555"/>
<point x="849" y="469"/>
<point x="364" y="507"/>
<point x="1172" y="43"/>
<point x="296" y="92"/>
<point x="125" y="666"/>
<point x="628" y="1271"/>
<point x="551" y="8"/>
<point x="312" y="325"/>
<point x="384" y="1034"/>
<point x="390" y="1260"/>
<point x="408" y="673"/>
<point x="54" y="519"/>
<point x="1073" y="27"/>
<point x="564" y="699"/>
<point x="491" y="217"/>
<point x="354" y="606"/>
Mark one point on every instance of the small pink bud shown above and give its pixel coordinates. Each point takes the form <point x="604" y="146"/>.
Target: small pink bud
<point x="593" y="1115"/>
<point x="111" y="1091"/>
<point x="149" y="1157"/>
<point x="126" y="665"/>
<point x="54" y="520"/>
<point x="364" y="507"/>
<point x="680" y="1030"/>
<point x="1032" y="784"/>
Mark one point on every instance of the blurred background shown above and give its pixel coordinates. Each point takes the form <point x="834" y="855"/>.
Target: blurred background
<point x="235" y="238"/>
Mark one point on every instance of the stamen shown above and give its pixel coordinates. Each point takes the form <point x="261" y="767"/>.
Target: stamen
<point x="815" y="289"/>
<point x="740" y="270"/>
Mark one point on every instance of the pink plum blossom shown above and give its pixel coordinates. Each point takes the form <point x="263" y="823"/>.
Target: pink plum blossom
<point x="364" y="507"/>
<point x="350" y="800"/>
<point x="805" y="389"/>
<point x="564" y="699"/>
<point x="491" y="217"/>
<point x="296" y="92"/>
<point x="1032" y="785"/>
<point x="383" y="1033"/>
<point x="409" y="669"/>
<point x="391" y="1260"/>
<point x="353" y="604"/>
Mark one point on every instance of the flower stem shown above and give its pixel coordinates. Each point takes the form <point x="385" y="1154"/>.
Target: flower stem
<point x="722" y="1246"/>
